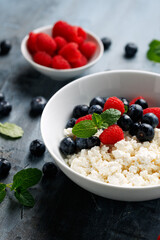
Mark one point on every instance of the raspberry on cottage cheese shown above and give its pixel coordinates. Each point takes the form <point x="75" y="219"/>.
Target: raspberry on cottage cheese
<point x="127" y="163"/>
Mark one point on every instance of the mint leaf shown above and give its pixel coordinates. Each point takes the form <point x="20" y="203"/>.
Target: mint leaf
<point x="97" y="119"/>
<point x="11" y="130"/>
<point x="2" y="191"/>
<point x="24" y="197"/>
<point x="26" y="178"/>
<point x="84" y="129"/>
<point x="110" y="116"/>
<point x="153" y="53"/>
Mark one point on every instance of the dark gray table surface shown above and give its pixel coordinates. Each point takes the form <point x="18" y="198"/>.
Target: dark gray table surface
<point x="63" y="210"/>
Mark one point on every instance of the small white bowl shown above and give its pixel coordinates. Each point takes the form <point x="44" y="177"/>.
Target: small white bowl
<point x="122" y="83"/>
<point x="66" y="73"/>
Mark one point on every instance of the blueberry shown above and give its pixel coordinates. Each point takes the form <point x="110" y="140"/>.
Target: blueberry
<point x="71" y="122"/>
<point x="125" y="101"/>
<point x="134" y="129"/>
<point x="5" y="47"/>
<point x="49" y="169"/>
<point x="105" y="99"/>
<point x="106" y="42"/>
<point x="92" y="142"/>
<point x="2" y="97"/>
<point x="98" y="101"/>
<point x="37" y="105"/>
<point x="37" y="148"/>
<point x="145" y="132"/>
<point x="125" y="122"/>
<point x="5" y="167"/>
<point x="80" y="111"/>
<point x="67" y="146"/>
<point x="81" y="143"/>
<point x="5" y="108"/>
<point x="130" y="50"/>
<point x="151" y="119"/>
<point x="135" y="112"/>
<point x="95" y="109"/>
<point x="142" y="103"/>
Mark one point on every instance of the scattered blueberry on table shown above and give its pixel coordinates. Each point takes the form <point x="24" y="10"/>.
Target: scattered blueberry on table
<point x="49" y="169"/>
<point x="5" y="167"/>
<point x="130" y="50"/>
<point x="106" y="43"/>
<point x="5" y="108"/>
<point x="37" y="148"/>
<point x="5" y="47"/>
<point x="37" y="105"/>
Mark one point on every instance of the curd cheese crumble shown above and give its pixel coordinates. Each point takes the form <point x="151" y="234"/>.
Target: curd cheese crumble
<point x="127" y="163"/>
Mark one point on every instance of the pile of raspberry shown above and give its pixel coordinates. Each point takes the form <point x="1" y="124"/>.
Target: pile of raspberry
<point x="66" y="48"/>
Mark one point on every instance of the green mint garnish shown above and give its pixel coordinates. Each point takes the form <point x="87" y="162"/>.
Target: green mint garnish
<point x="26" y="178"/>
<point x="84" y="129"/>
<point x="21" y="182"/>
<point x="110" y="116"/>
<point x="24" y="197"/>
<point x="11" y="130"/>
<point x="153" y="53"/>
<point x="2" y="191"/>
<point x="88" y="128"/>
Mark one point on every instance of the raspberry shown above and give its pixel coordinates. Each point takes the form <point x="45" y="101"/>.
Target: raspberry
<point x="114" y="102"/>
<point x="60" y="41"/>
<point x="135" y="99"/>
<point x="111" y="135"/>
<point x="80" y="62"/>
<point x="42" y="58"/>
<point x="70" y="52"/>
<point x="46" y="43"/>
<point x="155" y="110"/>
<point x="88" y="49"/>
<point x="31" y="43"/>
<point x="81" y="35"/>
<point x="87" y="117"/>
<point x="158" y="237"/>
<point x="64" y="30"/>
<point x="59" y="62"/>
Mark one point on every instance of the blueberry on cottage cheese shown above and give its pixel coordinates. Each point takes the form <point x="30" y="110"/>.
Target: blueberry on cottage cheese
<point x="81" y="143"/>
<point x="37" y="105"/>
<point x="95" y="109"/>
<point x="37" y="148"/>
<point x="145" y="132"/>
<point x="135" y="112"/>
<point x="151" y="119"/>
<point x="98" y="101"/>
<point x="134" y="129"/>
<point x="67" y="146"/>
<point x="49" y="169"/>
<point x="5" y="47"/>
<point x="125" y="122"/>
<point x="80" y="111"/>
<point x="5" y="167"/>
<point x="130" y="50"/>
<point x="5" y="108"/>
<point x="71" y="122"/>
<point x="93" y="141"/>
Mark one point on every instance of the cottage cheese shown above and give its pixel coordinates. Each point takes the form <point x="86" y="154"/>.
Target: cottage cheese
<point x="127" y="163"/>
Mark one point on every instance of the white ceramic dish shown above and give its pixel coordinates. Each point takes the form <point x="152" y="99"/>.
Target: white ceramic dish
<point x="67" y="73"/>
<point x="124" y="83"/>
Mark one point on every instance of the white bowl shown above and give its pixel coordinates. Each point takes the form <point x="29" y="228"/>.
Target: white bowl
<point x="67" y="73"/>
<point x="124" y="83"/>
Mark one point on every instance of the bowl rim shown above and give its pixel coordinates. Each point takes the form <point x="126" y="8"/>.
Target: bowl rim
<point x="47" y="27"/>
<point x="62" y="163"/>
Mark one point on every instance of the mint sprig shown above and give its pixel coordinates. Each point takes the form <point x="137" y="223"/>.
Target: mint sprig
<point x="153" y="54"/>
<point x="22" y="180"/>
<point x="11" y="130"/>
<point x="88" y="128"/>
